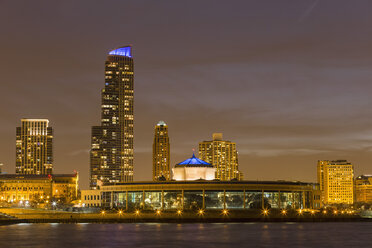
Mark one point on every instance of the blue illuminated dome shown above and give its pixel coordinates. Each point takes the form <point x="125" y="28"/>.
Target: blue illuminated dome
<point x="122" y="51"/>
<point x="194" y="162"/>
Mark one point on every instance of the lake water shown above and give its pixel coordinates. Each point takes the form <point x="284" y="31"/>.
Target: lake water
<point x="344" y="234"/>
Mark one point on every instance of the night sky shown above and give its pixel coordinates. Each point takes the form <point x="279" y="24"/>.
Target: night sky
<point x="289" y="81"/>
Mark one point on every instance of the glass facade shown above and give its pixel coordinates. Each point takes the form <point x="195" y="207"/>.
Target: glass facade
<point x="153" y="200"/>
<point x="234" y="199"/>
<point x="286" y="200"/>
<point x="298" y="200"/>
<point x="106" y="200"/>
<point x="135" y="200"/>
<point x="208" y="199"/>
<point x="173" y="200"/>
<point x="272" y="199"/>
<point x="253" y="199"/>
<point x="120" y="200"/>
<point x="192" y="200"/>
<point x="214" y="199"/>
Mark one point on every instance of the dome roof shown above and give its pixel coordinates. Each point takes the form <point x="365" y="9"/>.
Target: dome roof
<point x="194" y="162"/>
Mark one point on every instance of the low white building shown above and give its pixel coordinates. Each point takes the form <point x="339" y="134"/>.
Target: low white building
<point x="193" y="169"/>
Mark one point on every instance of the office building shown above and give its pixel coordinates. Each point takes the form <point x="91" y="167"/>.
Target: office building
<point x="161" y="153"/>
<point x="111" y="157"/>
<point x="34" y="147"/>
<point x="363" y="189"/>
<point x="222" y="155"/>
<point x="335" y="180"/>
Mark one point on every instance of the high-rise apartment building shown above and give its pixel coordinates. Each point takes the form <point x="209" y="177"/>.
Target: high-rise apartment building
<point x="222" y="155"/>
<point x="336" y="179"/>
<point x="363" y="188"/>
<point x="161" y="153"/>
<point x="111" y="157"/>
<point x="34" y="147"/>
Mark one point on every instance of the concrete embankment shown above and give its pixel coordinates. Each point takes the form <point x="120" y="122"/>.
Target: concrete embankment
<point x="209" y="216"/>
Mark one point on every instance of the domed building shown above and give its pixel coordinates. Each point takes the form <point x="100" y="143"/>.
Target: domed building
<point x="193" y="169"/>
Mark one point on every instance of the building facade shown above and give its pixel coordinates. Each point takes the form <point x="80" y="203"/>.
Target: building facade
<point x="91" y="198"/>
<point x="34" y="147"/>
<point x="363" y="189"/>
<point x="222" y="155"/>
<point x="161" y="153"/>
<point x="336" y="181"/>
<point x="111" y="156"/>
<point x="39" y="188"/>
<point x="191" y="195"/>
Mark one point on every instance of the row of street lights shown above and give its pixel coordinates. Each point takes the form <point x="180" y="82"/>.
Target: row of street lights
<point x="225" y="212"/>
<point x="266" y="212"/>
<point x="159" y="212"/>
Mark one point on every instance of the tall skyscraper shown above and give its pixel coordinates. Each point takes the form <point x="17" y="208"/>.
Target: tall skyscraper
<point x="111" y="157"/>
<point x="161" y="153"/>
<point x="34" y="147"/>
<point x="336" y="179"/>
<point x="222" y="155"/>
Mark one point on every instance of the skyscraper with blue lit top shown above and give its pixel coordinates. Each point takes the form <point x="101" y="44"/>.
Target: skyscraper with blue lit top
<point x="111" y="156"/>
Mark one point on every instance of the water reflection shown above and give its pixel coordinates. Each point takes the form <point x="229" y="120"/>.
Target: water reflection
<point x="187" y="235"/>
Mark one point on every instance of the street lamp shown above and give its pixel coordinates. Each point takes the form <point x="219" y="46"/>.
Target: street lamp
<point x="265" y="212"/>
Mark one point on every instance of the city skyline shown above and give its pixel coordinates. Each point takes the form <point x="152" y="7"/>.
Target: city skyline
<point x="186" y="123"/>
<point x="285" y="85"/>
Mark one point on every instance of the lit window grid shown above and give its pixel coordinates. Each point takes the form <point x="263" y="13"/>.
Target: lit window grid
<point x="222" y="155"/>
<point x="161" y="153"/>
<point x="112" y="142"/>
<point x="336" y="182"/>
<point x="34" y="145"/>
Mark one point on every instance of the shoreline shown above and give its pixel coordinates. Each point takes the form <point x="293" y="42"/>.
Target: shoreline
<point x="18" y="215"/>
<point x="179" y="220"/>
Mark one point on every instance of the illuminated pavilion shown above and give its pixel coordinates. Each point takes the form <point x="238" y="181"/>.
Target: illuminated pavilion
<point x="193" y="169"/>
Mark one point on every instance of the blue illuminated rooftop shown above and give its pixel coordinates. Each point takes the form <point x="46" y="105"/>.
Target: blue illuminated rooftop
<point x="194" y="161"/>
<point x="122" y="51"/>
